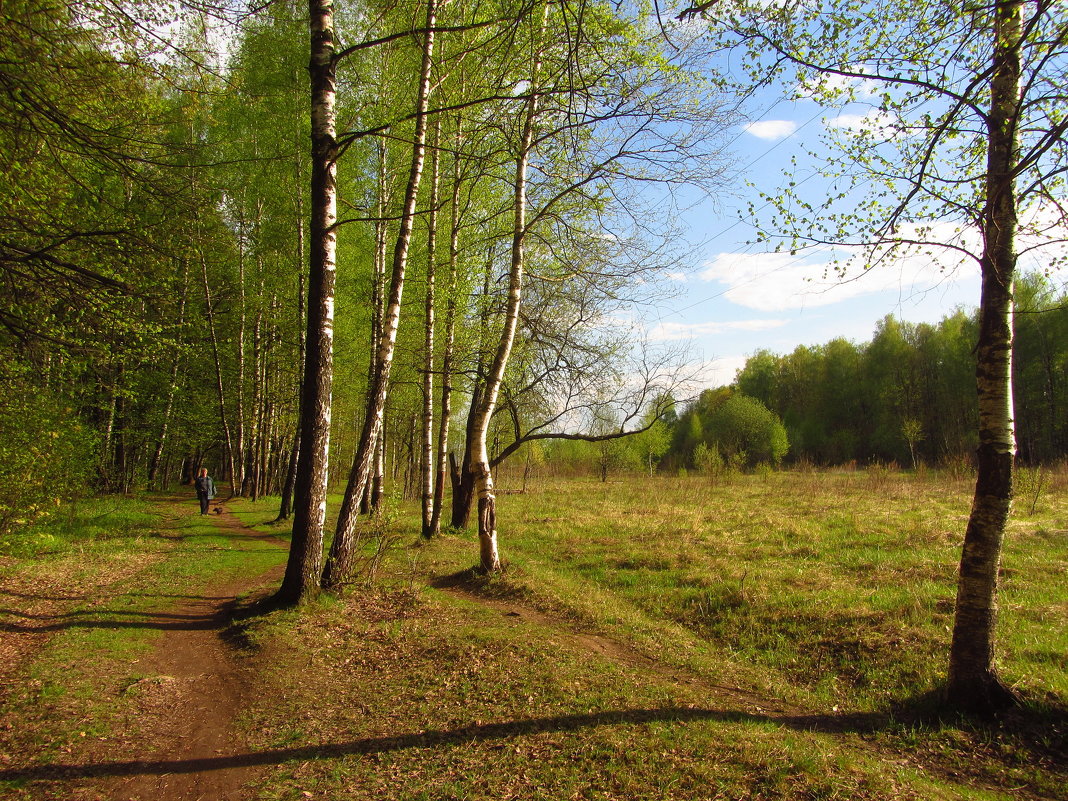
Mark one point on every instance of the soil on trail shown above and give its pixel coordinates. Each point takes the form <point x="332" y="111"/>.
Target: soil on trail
<point x="195" y="690"/>
<point x="181" y="743"/>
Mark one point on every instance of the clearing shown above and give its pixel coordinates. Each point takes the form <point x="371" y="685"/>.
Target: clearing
<point x="698" y="645"/>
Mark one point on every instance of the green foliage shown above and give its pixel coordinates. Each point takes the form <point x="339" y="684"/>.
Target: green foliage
<point x="650" y="445"/>
<point x="1040" y="366"/>
<point x="744" y="429"/>
<point x="906" y="175"/>
<point x="909" y="393"/>
<point x="724" y="428"/>
<point x="47" y="455"/>
<point x="845" y="402"/>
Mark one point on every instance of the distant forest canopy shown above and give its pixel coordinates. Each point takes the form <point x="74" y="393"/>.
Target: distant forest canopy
<point x="907" y="395"/>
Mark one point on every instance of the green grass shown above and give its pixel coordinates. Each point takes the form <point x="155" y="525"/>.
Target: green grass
<point x="832" y="592"/>
<point x="422" y="698"/>
<point x="843" y="592"/>
<point x="793" y="628"/>
<point x="96" y="575"/>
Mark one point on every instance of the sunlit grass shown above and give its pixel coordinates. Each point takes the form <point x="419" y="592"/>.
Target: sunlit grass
<point x="829" y="592"/>
<point x="840" y="583"/>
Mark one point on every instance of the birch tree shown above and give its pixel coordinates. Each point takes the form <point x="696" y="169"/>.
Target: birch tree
<point x="302" y="578"/>
<point x="600" y="108"/>
<point x="962" y="152"/>
<point x="339" y="565"/>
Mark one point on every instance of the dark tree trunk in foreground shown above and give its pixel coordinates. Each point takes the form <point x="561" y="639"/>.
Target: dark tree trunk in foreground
<point x="339" y="566"/>
<point x="301" y="582"/>
<point x="973" y="683"/>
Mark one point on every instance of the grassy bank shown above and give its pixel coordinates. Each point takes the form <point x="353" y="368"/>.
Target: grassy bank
<point x="831" y="593"/>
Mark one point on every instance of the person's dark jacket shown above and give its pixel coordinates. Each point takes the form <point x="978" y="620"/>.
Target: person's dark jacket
<point x="205" y="485"/>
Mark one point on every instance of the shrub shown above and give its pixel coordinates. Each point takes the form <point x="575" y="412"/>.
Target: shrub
<point x="46" y="454"/>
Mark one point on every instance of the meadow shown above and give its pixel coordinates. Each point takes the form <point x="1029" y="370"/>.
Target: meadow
<point x="780" y="635"/>
<point x="766" y="636"/>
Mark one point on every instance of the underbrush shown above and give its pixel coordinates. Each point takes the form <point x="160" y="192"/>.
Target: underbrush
<point x="80" y="524"/>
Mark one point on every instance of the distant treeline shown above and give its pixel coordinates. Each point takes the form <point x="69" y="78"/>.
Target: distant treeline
<point x="907" y="396"/>
<point x="909" y="393"/>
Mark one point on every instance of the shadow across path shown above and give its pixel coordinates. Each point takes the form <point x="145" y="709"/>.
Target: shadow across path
<point x="430" y="739"/>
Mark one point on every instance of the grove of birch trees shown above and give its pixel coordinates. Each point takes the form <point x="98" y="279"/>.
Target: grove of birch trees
<point x="361" y="248"/>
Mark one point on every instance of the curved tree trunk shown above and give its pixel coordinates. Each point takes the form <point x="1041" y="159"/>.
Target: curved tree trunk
<point x="301" y="582"/>
<point x="973" y="683"/>
<point x="339" y="565"/>
<point x="479" y="467"/>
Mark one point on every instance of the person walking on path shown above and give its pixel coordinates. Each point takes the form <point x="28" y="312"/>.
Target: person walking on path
<point x="205" y="489"/>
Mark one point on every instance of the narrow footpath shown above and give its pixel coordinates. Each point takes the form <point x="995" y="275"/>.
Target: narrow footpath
<point x="196" y="691"/>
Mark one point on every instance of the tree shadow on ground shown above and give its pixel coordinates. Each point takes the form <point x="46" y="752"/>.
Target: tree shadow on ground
<point x="1035" y="731"/>
<point x="380" y="745"/>
<point x="447" y="738"/>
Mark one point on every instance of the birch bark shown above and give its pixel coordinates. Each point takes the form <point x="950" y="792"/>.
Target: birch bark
<point x="973" y="683"/>
<point x="339" y="565"/>
<point x="301" y="581"/>
<point x="426" y="455"/>
<point x="479" y="461"/>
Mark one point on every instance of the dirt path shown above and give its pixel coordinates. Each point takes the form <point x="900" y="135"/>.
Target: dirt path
<point x="195" y="690"/>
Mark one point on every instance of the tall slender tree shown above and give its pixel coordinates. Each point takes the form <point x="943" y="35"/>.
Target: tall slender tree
<point x="303" y="569"/>
<point x="968" y="134"/>
<point x="339" y="566"/>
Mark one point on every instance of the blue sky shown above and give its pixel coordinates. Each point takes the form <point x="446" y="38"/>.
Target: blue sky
<point x="738" y="298"/>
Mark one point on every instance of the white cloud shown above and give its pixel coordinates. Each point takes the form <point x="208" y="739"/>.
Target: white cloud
<point x="771" y="130"/>
<point x="774" y="282"/>
<point x="682" y="278"/>
<point x="674" y="331"/>
<point x="874" y="121"/>
<point x="771" y="282"/>
<point x="855" y="88"/>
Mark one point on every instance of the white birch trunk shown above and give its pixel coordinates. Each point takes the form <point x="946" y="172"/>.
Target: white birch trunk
<point x="973" y="683"/>
<point x="489" y="556"/>
<point x="339" y="566"/>
<point x="301" y="582"/>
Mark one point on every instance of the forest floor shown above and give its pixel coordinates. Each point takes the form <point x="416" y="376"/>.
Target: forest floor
<point x="128" y="677"/>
